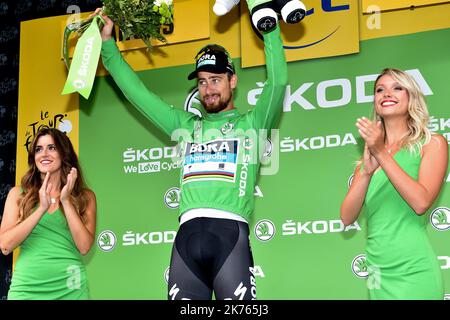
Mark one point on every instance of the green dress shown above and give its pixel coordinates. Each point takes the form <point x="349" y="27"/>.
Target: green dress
<point x="400" y="259"/>
<point x="49" y="266"/>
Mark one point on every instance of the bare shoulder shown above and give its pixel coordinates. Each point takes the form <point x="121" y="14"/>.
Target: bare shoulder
<point x="15" y="193"/>
<point x="90" y="194"/>
<point x="13" y="199"/>
<point x="438" y="143"/>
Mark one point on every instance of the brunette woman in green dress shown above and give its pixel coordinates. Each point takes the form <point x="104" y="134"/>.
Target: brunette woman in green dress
<point x="52" y="217"/>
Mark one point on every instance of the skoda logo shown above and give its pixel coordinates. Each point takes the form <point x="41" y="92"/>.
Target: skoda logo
<point x="264" y="230"/>
<point x="440" y="218"/>
<point x="166" y="275"/>
<point x="359" y="266"/>
<point x="106" y="240"/>
<point x="172" y="198"/>
<point x="79" y="84"/>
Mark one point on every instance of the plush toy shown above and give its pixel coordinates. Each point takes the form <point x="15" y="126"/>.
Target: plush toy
<point x="265" y="13"/>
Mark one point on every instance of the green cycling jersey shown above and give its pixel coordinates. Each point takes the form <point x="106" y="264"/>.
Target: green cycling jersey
<point x="221" y="153"/>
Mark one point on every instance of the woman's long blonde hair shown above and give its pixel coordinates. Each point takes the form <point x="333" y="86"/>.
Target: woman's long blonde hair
<point x="418" y="132"/>
<point x="32" y="181"/>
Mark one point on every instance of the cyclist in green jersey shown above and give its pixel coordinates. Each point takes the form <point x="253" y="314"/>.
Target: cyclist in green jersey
<point x="211" y="253"/>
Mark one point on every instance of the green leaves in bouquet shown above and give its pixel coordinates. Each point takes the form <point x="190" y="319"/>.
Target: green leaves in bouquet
<point x="140" y="19"/>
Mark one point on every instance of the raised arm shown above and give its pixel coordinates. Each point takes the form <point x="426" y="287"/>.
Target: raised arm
<point x="163" y="115"/>
<point x="270" y="103"/>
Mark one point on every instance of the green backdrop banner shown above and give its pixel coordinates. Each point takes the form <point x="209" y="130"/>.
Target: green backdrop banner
<point x="300" y="246"/>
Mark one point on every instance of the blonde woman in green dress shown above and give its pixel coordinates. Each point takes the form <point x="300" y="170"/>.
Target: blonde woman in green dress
<point x="52" y="217"/>
<point x="400" y="176"/>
